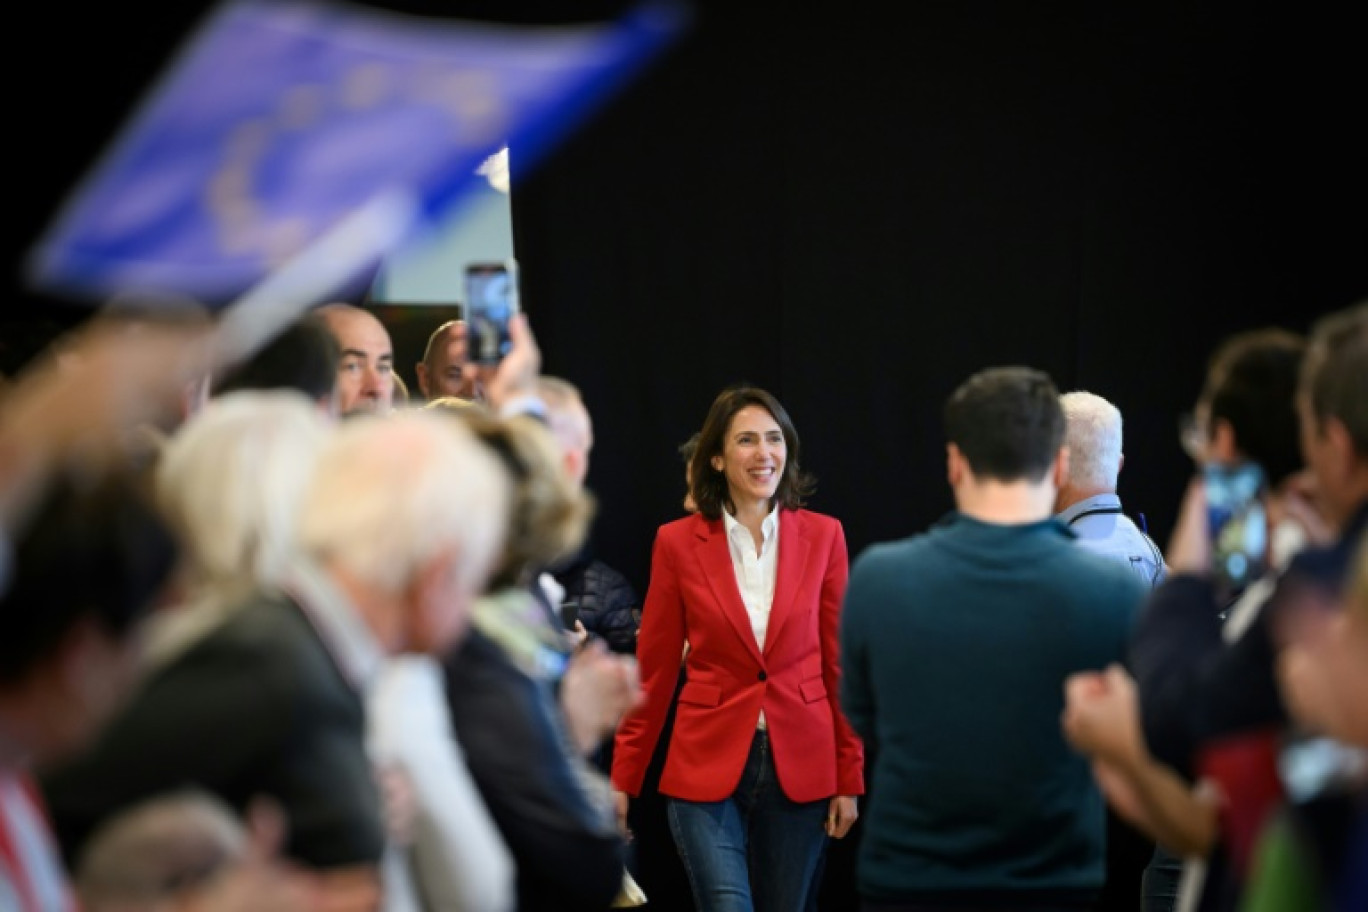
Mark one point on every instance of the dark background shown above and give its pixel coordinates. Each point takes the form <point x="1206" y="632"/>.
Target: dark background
<point x="857" y="208"/>
<point x="857" y="205"/>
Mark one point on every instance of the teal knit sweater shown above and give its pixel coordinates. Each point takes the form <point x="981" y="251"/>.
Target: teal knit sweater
<point x="955" y="645"/>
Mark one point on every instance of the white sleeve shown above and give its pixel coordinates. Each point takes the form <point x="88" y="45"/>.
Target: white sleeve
<point x="458" y="857"/>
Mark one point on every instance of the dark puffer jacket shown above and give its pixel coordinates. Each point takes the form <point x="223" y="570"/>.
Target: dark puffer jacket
<point x="606" y="601"/>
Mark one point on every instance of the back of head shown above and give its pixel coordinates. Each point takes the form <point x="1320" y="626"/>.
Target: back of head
<point x="550" y="513"/>
<point x="154" y="852"/>
<point x="95" y="551"/>
<point x="389" y="494"/>
<point x="1093" y="435"/>
<point x="232" y="478"/>
<point x="1007" y="423"/>
<point x="303" y="358"/>
<point x="1335" y="373"/>
<point x="1251" y="384"/>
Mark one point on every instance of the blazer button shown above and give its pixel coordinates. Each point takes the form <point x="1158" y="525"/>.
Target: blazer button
<point x="761" y="676"/>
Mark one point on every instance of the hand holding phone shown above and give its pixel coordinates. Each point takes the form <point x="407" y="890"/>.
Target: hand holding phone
<point x="1237" y="524"/>
<point x="491" y="301"/>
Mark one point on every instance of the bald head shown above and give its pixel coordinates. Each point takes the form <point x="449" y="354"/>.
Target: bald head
<point x="366" y="363"/>
<point x="444" y="370"/>
<point x="569" y="422"/>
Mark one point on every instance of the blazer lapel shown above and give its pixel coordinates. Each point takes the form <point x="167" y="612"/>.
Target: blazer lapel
<point x="715" y="555"/>
<point x="788" y="575"/>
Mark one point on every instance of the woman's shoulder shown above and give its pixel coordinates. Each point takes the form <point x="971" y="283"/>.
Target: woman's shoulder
<point x="811" y="520"/>
<point x="686" y="526"/>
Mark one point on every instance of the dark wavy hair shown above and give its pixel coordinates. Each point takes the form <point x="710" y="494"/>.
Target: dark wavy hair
<point x="709" y="486"/>
<point x="1252" y="384"/>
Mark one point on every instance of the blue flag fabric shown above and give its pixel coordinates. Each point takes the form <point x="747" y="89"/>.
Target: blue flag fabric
<point x="279" y="119"/>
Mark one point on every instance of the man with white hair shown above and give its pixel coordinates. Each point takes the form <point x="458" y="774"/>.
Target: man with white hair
<point x="1087" y="502"/>
<point x="399" y="526"/>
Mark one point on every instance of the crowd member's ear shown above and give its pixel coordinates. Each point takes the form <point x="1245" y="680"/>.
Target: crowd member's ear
<point x="421" y="369"/>
<point x="1342" y="458"/>
<point x="1224" y="448"/>
<point x="956" y="468"/>
<point x="1059" y="472"/>
<point x="438" y="611"/>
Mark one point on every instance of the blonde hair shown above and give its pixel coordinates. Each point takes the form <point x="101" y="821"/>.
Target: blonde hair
<point x="550" y="514"/>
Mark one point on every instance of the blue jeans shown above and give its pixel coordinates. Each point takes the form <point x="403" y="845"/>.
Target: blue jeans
<point x="756" y="851"/>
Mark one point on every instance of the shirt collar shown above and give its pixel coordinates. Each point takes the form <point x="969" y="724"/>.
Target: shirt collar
<point x="1096" y="502"/>
<point x="769" y="527"/>
<point x="337" y="623"/>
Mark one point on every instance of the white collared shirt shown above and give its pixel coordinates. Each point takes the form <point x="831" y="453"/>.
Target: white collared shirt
<point x="755" y="573"/>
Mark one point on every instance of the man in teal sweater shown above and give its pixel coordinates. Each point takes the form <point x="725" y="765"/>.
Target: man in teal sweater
<point x="955" y="645"/>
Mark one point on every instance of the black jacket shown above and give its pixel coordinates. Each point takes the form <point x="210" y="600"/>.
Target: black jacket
<point x="606" y="602"/>
<point x="257" y="707"/>
<point x="551" y="808"/>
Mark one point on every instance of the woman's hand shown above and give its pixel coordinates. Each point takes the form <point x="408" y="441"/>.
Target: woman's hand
<point x="842" y="813"/>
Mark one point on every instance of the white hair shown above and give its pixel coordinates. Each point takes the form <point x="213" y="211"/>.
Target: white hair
<point x="566" y="414"/>
<point x="1093" y="436"/>
<point x="392" y="492"/>
<point x="232" y="478"/>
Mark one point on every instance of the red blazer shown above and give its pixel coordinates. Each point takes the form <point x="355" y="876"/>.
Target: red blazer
<point x="693" y="596"/>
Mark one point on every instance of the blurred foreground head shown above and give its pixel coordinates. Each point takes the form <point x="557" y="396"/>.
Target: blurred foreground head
<point x="407" y="513"/>
<point x="158" y="852"/>
<point x="1246" y="411"/>
<point x="549" y="513"/>
<point x="1332" y="403"/>
<point x="230" y="481"/>
<point x="86" y="568"/>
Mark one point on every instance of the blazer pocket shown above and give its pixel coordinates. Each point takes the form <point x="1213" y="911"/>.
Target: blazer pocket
<point x="700" y="694"/>
<point x="813" y="689"/>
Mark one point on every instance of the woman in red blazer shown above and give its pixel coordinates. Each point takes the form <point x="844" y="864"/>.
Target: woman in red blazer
<point x="762" y="765"/>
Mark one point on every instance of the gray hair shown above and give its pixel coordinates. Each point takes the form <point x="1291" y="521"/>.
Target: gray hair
<point x="566" y="413"/>
<point x="231" y="479"/>
<point x="1093" y="436"/>
<point x="390" y="493"/>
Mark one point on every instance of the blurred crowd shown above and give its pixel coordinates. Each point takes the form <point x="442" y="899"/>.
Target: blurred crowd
<point x="284" y="634"/>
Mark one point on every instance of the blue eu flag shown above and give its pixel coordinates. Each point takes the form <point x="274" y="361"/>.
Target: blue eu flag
<point x="279" y="120"/>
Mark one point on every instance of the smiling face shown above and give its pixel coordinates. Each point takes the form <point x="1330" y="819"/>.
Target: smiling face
<point x="753" y="456"/>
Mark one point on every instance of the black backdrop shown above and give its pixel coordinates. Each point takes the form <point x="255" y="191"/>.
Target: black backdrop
<point x="857" y="206"/>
